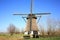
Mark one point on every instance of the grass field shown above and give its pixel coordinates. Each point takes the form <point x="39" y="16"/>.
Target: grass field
<point x="20" y="37"/>
<point x="49" y="38"/>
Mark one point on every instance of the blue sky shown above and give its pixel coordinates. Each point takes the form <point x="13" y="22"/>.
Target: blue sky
<point x="9" y="7"/>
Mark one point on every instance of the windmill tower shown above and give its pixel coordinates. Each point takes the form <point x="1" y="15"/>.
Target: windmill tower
<point x="31" y="26"/>
<point x="31" y="23"/>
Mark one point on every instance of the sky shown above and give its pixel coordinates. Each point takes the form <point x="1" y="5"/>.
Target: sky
<point x="9" y="7"/>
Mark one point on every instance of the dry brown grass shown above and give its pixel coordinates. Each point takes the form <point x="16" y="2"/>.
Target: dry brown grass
<point x="11" y="38"/>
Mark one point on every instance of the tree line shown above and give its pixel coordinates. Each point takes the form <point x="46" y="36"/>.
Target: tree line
<point x="53" y="28"/>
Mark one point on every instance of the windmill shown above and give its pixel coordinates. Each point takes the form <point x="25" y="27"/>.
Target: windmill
<point x="31" y="20"/>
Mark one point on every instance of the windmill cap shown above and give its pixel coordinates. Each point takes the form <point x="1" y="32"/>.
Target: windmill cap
<point x="31" y="15"/>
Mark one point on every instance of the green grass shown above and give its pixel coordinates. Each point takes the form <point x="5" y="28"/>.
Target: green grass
<point x="47" y="38"/>
<point x="16" y="36"/>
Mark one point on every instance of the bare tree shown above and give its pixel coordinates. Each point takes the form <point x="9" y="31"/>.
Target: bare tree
<point x="58" y="28"/>
<point x="51" y="26"/>
<point x="11" y="29"/>
<point x="41" y="29"/>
